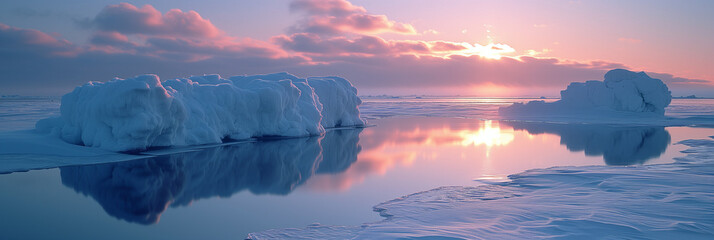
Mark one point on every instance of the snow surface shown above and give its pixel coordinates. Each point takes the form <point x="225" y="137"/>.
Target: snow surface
<point x="27" y="150"/>
<point x="143" y="112"/>
<point x="622" y="93"/>
<point x="667" y="201"/>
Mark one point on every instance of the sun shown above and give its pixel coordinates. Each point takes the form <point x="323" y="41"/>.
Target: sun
<point x="490" y="51"/>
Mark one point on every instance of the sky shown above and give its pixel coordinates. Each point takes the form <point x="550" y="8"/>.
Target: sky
<point x="450" y="47"/>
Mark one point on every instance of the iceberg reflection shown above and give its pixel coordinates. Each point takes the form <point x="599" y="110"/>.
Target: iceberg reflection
<point x="617" y="145"/>
<point x="139" y="191"/>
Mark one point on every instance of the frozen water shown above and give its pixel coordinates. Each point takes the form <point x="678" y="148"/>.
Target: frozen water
<point x="143" y="112"/>
<point x="621" y="93"/>
<point x="667" y="201"/>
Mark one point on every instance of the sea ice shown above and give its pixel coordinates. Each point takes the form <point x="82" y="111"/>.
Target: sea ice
<point x="621" y="93"/>
<point x="143" y="112"/>
<point x="666" y="201"/>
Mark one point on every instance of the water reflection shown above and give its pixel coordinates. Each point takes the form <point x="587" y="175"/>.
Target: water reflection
<point x="408" y="155"/>
<point x="617" y="145"/>
<point x="398" y="143"/>
<point x="438" y="148"/>
<point x="139" y="191"/>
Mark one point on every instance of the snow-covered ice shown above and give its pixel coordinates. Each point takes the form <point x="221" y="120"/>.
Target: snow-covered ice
<point x="143" y="112"/>
<point x="666" y="201"/>
<point x="623" y="93"/>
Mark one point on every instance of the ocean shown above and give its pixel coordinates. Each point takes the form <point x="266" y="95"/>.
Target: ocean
<point x="425" y="167"/>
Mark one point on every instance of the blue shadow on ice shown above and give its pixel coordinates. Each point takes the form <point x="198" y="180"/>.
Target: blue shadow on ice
<point x="617" y="144"/>
<point x="139" y="191"/>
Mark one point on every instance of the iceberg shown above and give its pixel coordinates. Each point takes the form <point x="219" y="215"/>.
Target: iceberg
<point x="144" y="112"/>
<point x="622" y="93"/>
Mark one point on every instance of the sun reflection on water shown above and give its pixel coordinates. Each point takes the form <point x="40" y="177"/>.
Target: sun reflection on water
<point x="486" y="135"/>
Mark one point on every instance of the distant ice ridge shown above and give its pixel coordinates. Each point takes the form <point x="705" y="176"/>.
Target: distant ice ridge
<point x="143" y="112"/>
<point x="666" y="201"/>
<point x="622" y="92"/>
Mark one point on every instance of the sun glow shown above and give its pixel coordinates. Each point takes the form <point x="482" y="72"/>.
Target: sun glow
<point x="486" y="135"/>
<point x="490" y="51"/>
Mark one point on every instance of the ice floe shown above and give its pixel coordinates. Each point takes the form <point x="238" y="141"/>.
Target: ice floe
<point x="666" y="201"/>
<point x="622" y="94"/>
<point x="144" y="112"/>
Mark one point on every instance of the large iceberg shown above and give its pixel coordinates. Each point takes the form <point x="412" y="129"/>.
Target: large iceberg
<point x="622" y="92"/>
<point x="143" y="112"/>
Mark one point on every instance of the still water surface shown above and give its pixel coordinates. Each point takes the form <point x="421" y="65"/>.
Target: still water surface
<point x="229" y="191"/>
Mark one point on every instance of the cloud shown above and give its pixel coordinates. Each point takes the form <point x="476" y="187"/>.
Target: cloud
<point x="128" y="19"/>
<point x="326" y="7"/>
<point x="534" y="53"/>
<point x="29" y="41"/>
<point x="430" y="31"/>
<point x="129" y="41"/>
<point x="680" y="81"/>
<point x="340" y="16"/>
<point x="108" y="38"/>
<point x="314" y="45"/>
<point x="369" y="62"/>
<point x="193" y="49"/>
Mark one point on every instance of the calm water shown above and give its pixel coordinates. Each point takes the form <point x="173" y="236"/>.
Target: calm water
<point x="336" y="179"/>
<point x="229" y="191"/>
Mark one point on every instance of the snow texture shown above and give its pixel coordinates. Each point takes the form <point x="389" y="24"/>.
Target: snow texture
<point x="621" y="91"/>
<point x="667" y="201"/>
<point x="144" y="112"/>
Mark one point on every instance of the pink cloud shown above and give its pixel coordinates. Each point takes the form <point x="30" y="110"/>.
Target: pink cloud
<point x="327" y="7"/>
<point x="176" y="44"/>
<point x="314" y="45"/>
<point x="14" y="39"/>
<point x="128" y="19"/>
<point x="110" y="39"/>
<point x="340" y="16"/>
<point x="199" y="49"/>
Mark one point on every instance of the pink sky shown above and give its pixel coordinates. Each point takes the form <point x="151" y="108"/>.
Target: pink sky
<point x="484" y="48"/>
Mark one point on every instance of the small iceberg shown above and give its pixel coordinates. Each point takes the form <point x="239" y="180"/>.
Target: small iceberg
<point x="145" y="112"/>
<point x="622" y="93"/>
